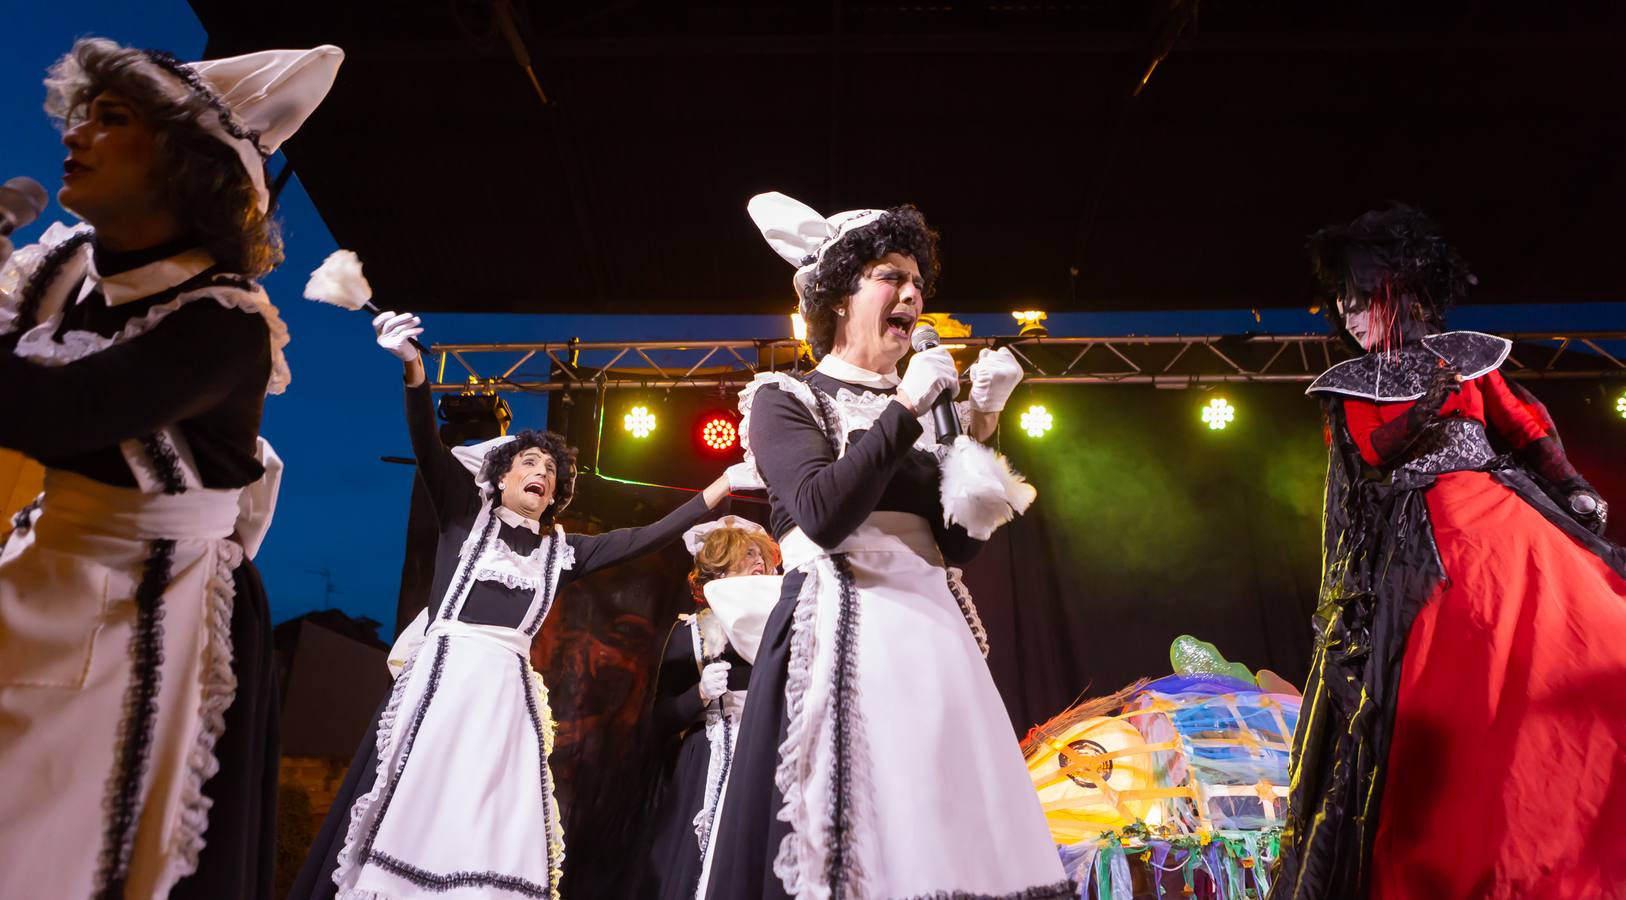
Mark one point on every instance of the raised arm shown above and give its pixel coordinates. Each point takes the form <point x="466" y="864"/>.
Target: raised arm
<point x="597" y="551"/>
<point x="451" y="487"/>
<point x="188" y="363"/>
<point x="826" y="497"/>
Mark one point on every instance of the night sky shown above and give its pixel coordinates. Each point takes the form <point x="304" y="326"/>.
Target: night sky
<point x="342" y="511"/>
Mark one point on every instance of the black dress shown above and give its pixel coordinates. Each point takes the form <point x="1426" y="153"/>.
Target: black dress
<point x="458" y="504"/>
<point x="680" y="716"/>
<point x="201" y="372"/>
<point x="881" y="470"/>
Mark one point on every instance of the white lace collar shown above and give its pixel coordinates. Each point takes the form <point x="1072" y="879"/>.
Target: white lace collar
<point x="509" y="517"/>
<point x="841" y="370"/>
<point x="144" y="281"/>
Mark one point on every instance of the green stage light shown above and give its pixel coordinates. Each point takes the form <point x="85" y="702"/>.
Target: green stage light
<point x="640" y="421"/>
<point x="1620" y="405"/>
<point x="1037" y="421"/>
<point x="1218" y="414"/>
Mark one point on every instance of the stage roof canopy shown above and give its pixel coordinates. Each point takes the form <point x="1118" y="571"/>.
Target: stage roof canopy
<point x="1016" y="127"/>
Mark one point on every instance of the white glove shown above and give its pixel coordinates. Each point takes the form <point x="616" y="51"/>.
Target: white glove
<point x="713" y="681"/>
<point x="930" y="372"/>
<point x="994" y="375"/>
<point x="742" y="476"/>
<point x="395" y="333"/>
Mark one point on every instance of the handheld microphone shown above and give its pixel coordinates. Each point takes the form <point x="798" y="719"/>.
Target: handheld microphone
<point x="21" y="202"/>
<point x="943" y="416"/>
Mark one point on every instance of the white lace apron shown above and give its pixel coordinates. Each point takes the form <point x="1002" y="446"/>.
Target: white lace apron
<point x="463" y="806"/>
<point x="115" y="672"/>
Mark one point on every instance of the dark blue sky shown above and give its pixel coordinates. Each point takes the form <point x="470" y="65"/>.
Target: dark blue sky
<point x="342" y="511"/>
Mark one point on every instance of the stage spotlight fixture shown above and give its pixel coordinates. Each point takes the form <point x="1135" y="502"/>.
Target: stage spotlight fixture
<point x="473" y="416"/>
<point x="1037" y="421"/>
<point x="639" y="421"/>
<point x="1620" y="405"/>
<point x="1030" y="321"/>
<point x="718" y="432"/>
<point x="1218" y="414"/>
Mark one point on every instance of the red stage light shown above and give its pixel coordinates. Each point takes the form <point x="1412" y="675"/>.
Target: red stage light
<point x="719" y="433"/>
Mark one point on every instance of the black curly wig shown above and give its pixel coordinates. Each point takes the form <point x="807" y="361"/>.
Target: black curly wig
<point x="501" y="458"/>
<point x="1396" y="259"/>
<point x="902" y="230"/>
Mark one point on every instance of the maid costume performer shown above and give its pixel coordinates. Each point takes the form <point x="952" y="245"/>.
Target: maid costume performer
<point x="701" y="689"/>
<point x="1462" y="731"/>
<point x="138" y="745"/>
<point x="876" y="758"/>
<point x="458" y="800"/>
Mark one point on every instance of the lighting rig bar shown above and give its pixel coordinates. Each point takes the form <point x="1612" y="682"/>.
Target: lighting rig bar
<point x="1161" y="361"/>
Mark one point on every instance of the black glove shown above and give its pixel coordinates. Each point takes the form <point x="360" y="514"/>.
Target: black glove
<point x="1391" y="439"/>
<point x="1447" y="380"/>
<point x="1580" y="498"/>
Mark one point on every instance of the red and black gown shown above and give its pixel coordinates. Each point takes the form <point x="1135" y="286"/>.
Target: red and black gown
<point x="1464" y="727"/>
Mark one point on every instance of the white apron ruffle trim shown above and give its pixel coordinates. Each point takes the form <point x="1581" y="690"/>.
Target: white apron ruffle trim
<point x="40" y="345"/>
<point x="219" y="689"/>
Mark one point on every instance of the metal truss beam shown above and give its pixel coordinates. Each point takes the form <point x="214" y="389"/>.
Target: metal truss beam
<point x="1160" y="361"/>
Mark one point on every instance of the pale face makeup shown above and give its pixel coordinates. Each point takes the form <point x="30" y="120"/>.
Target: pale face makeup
<point x="528" y="487"/>
<point x="873" y="326"/>
<point x="1357" y="318"/>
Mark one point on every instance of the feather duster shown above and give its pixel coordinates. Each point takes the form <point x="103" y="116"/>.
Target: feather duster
<point x="338" y="281"/>
<point x="979" y="490"/>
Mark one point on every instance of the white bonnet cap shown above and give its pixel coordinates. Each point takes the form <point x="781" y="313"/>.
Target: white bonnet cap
<point x="263" y="98"/>
<point x="799" y="234"/>
<point x="696" y="536"/>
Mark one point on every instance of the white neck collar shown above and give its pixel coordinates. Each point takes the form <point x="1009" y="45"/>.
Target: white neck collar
<point x="144" y="281"/>
<point x="509" y="517"/>
<point x="841" y="370"/>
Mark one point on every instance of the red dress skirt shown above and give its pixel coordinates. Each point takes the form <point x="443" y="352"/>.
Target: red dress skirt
<point x="1507" y="775"/>
<point x="1507" y="771"/>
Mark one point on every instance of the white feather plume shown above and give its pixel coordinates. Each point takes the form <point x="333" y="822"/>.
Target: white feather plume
<point x="338" y="280"/>
<point x="980" y="492"/>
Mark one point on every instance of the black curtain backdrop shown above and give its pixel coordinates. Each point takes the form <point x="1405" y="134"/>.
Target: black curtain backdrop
<point x="1148" y="526"/>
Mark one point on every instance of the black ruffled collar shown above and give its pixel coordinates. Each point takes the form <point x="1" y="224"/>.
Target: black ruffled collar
<point x="1406" y="374"/>
<point x="112" y="262"/>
